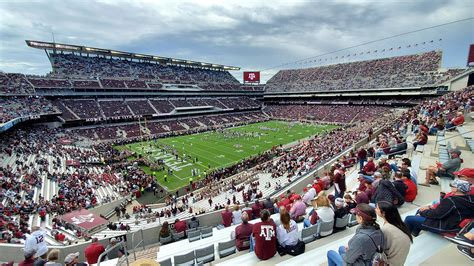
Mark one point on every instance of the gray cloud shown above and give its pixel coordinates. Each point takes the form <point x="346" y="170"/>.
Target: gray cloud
<point x="251" y="34"/>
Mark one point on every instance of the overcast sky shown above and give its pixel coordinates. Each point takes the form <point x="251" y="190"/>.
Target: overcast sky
<point x="254" y="35"/>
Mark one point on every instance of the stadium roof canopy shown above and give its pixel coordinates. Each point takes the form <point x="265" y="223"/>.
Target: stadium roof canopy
<point x="53" y="46"/>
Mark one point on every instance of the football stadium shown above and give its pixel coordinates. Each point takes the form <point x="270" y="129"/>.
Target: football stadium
<point x="162" y="151"/>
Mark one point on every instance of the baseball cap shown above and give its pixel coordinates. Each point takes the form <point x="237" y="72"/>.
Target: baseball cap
<point x="467" y="172"/>
<point x="455" y="150"/>
<point x="29" y="252"/>
<point x="70" y="257"/>
<point x="461" y="185"/>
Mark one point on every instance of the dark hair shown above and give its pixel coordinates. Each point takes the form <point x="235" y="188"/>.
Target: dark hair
<point x="406" y="161"/>
<point x="406" y="173"/>
<point x="369" y="217"/>
<point x="264" y="215"/>
<point x="392" y="216"/>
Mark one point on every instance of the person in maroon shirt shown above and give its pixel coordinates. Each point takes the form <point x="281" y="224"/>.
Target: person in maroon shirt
<point x="180" y="226"/>
<point x="226" y="216"/>
<point x="264" y="234"/>
<point x="93" y="251"/>
<point x="339" y="182"/>
<point x="29" y="258"/>
<point x="369" y="168"/>
<point x="256" y="208"/>
<point x="412" y="190"/>
<point x="243" y="233"/>
<point x="362" y="157"/>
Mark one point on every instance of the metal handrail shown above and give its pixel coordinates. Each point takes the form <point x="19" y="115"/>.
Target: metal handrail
<point x="138" y="244"/>
<point x="121" y="243"/>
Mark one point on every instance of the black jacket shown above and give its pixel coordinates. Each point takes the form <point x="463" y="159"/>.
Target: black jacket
<point x="386" y="191"/>
<point x="449" y="213"/>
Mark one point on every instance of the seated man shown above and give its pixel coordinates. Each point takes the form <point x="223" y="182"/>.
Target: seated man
<point x="445" y="170"/>
<point x="447" y="215"/>
<point x="242" y="233"/>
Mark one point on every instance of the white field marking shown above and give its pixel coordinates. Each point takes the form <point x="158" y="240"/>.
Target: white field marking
<point x="239" y="150"/>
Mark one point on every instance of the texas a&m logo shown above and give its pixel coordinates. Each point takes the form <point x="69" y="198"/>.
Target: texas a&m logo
<point x="267" y="232"/>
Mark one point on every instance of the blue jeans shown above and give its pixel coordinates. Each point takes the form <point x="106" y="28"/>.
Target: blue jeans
<point x="379" y="153"/>
<point x="252" y="244"/>
<point x="415" y="224"/>
<point x="334" y="258"/>
<point x="306" y="223"/>
<point x="394" y="167"/>
<point x="361" y="164"/>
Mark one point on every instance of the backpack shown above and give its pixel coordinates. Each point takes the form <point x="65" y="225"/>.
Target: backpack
<point x="297" y="249"/>
<point x="379" y="258"/>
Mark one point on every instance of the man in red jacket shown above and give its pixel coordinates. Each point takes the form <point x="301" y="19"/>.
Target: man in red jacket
<point x="93" y="251"/>
<point x="264" y="234"/>
<point x="369" y="168"/>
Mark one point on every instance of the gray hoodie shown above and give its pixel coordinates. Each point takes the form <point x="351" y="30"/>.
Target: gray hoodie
<point x="361" y="248"/>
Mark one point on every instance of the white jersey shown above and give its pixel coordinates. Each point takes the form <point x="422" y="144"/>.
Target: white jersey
<point x="37" y="241"/>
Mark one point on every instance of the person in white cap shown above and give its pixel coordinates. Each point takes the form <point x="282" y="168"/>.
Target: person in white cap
<point x="72" y="259"/>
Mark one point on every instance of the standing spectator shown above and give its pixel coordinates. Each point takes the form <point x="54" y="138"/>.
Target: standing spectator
<point x="362" y="157"/>
<point x="242" y="233"/>
<point x="37" y="241"/>
<point x="287" y="235"/>
<point x="363" y="245"/>
<point x="396" y="233"/>
<point x="447" y="215"/>
<point x="236" y="215"/>
<point x="226" y="216"/>
<point x="264" y="234"/>
<point x="339" y="181"/>
<point x="93" y="251"/>
<point x="268" y="204"/>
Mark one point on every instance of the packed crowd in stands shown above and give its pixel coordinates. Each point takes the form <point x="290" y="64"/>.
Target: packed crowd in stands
<point x="132" y="132"/>
<point x="13" y="83"/>
<point x="81" y="66"/>
<point x="340" y="114"/>
<point x="118" y="108"/>
<point x="396" y="72"/>
<point x="25" y="106"/>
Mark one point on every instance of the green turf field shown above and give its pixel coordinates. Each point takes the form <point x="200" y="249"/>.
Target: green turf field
<point x="218" y="149"/>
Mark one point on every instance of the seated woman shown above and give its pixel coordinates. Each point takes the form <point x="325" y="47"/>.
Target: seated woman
<point x="396" y="234"/>
<point x="287" y="234"/>
<point x="321" y="210"/>
<point x="363" y="245"/>
<point x="165" y="230"/>
<point x="447" y="215"/>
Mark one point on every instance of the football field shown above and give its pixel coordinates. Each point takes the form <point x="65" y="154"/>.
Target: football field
<point x="198" y="153"/>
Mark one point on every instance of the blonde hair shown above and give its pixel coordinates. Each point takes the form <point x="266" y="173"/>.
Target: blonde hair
<point x="53" y="255"/>
<point x="236" y="207"/>
<point x="321" y="200"/>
